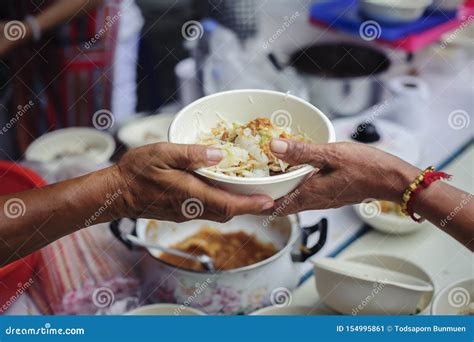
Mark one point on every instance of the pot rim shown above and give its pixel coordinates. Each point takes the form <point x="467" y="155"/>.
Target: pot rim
<point x="295" y="226"/>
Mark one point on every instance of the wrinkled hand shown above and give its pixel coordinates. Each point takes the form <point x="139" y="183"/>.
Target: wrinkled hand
<point x="160" y="184"/>
<point x="346" y="173"/>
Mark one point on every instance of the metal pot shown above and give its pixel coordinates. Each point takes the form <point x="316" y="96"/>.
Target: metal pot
<point x="342" y="79"/>
<point x="234" y="291"/>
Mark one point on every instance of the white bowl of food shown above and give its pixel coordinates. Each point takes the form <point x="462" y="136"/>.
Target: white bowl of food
<point x="70" y="144"/>
<point x="386" y="217"/>
<point x="165" y="310"/>
<point x="394" y="11"/>
<point x="242" y="123"/>
<point x="373" y="285"/>
<point x="146" y="130"/>
<point x="455" y="299"/>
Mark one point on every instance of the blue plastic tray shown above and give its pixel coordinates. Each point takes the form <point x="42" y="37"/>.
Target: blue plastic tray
<point x="343" y="15"/>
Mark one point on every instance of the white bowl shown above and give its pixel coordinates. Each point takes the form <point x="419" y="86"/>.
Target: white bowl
<point x="243" y="106"/>
<point x="69" y="144"/>
<point x="165" y="310"/>
<point x="291" y="310"/>
<point x="134" y="133"/>
<point x="455" y="299"/>
<point x="394" y="11"/>
<point x="372" y="285"/>
<point x="385" y="222"/>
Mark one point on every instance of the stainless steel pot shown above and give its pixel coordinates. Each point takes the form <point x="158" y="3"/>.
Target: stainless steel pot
<point x="235" y="291"/>
<point x="342" y="79"/>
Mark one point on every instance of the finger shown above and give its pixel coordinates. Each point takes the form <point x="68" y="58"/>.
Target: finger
<point x="188" y="157"/>
<point x="296" y="152"/>
<point x="291" y="203"/>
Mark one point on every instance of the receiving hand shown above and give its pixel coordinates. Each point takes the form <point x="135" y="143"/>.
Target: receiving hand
<point x="346" y="173"/>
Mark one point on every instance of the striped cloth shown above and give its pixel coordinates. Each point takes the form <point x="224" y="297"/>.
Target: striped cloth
<point x="86" y="273"/>
<point x="67" y="74"/>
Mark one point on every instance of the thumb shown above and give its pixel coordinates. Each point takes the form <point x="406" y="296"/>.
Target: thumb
<point x="296" y="152"/>
<point x="188" y="157"/>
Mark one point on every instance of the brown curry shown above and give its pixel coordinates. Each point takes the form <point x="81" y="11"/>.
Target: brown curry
<point x="227" y="250"/>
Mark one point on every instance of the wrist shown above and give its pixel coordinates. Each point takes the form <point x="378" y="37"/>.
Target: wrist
<point x="117" y="184"/>
<point x="399" y="179"/>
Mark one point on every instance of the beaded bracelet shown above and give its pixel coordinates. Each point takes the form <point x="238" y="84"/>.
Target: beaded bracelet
<point x="422" y="181"/>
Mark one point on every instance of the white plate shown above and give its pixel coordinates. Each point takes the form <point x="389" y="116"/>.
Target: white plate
<point x="134" y="133"/>
<point x="71" y="143"/>
<point x="455" y="299"/>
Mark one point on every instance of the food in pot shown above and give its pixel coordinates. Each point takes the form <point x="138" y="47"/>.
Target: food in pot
<point x="247" y="147"/>
<point x="227" y="250"/>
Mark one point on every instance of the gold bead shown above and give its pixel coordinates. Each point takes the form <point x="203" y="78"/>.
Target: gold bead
<point x="412" y="187"/>
<point x="420" y="178"/>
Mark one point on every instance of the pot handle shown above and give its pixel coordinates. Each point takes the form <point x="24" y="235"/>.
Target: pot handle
<point x="307" y="251"/>
<point x="115" y="229"/>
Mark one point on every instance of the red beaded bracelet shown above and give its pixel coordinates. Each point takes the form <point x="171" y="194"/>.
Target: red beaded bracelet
<point x="425" y="179"/>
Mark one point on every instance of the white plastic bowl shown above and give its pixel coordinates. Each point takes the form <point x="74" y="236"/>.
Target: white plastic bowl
<point x="243" y="106"/>
<point x="165" y="310"/>
<point x="292" y="310"/>
<point x="134" y="133"/>
<point x="455" y="299"/>
<point x="394" y="11"/>
<point x="386" y="222"/>
<point x="372" y="285"/>
<point x="68" y="142"/>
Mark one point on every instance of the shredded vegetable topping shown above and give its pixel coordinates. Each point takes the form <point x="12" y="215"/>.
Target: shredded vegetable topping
<point x="247" y="147"/>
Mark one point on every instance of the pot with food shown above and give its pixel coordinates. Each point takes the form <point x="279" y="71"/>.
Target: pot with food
<point x="256" y="261"/>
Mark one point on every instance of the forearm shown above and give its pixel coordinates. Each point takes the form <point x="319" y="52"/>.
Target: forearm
<point x="63" y="10"/>
<point x="450" y="209"/>
<point x="445" y="206"/>
<point x="47" y="214"/>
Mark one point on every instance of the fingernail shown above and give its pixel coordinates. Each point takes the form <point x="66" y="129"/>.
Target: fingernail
<point x="214" y="155"/>
<point x="279" y="146"/>
<point x="267" y="205"/>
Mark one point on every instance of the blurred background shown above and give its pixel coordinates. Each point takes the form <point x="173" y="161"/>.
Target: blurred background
<point x="82" y="81"/>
